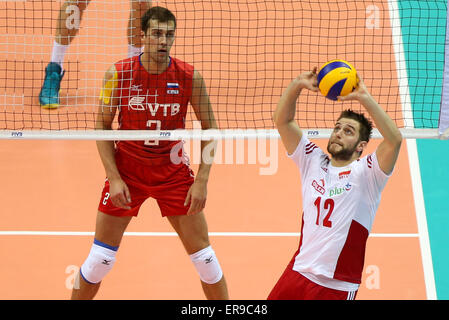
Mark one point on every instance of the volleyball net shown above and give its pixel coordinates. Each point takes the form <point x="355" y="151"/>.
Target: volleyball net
<point x="248" y="51"/>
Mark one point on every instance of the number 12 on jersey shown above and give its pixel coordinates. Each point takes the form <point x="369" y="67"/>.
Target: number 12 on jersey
<point x="329" y="207"/>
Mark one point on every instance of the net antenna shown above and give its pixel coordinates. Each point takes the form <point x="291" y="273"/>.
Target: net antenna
<point x="247" y="52"/>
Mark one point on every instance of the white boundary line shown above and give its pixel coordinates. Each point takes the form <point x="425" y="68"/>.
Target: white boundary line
<point x="415" y="173"/>
<point x="418" y="196"/>
<point x="173" y="234"/>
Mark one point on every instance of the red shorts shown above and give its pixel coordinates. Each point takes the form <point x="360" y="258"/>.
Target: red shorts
<point x="167" y="183"/>
<point x="294" y="286"/>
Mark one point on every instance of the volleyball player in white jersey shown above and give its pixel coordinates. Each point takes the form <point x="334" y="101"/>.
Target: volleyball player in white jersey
<point x="340" y="194"/>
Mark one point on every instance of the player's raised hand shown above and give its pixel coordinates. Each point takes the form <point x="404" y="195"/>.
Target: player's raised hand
<point x="360" y="92"/>
<point x="308" y="80"/>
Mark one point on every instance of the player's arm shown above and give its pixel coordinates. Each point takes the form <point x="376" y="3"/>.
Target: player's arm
<point x="284" y="115"/>
<point x="119" y="193"/>
<point x="203" y="110"/>
<point x="388" y="150"/>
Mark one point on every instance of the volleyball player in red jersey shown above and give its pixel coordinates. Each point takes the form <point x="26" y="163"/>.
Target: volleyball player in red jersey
<point x="151" y="92"/>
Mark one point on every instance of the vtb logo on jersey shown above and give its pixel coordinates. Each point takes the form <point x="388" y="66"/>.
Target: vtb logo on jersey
<point x="138" y="103"/>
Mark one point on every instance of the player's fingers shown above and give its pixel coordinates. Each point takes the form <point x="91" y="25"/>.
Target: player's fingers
<point x="191" y="209"/>
<point x="187" y="200"/>
<point x="195" y="206"/>
<point x="199" y="206"/>
<point x="126" y="198"/>
<point x="116" y="203"/>
<point x="119" y="201"/>
<point x="127" y="194"/>
<point x="350" y="96"/>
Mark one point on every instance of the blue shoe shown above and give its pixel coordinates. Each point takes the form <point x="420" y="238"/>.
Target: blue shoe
<point x="49" y="95"/>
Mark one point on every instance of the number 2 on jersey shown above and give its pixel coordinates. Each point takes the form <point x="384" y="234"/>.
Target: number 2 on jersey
<point x="158" y="127"/>
<point x="329" y="206"/>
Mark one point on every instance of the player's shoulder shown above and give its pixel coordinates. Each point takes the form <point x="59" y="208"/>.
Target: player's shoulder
<point x="366" y="160"/>
<point x="180" y="63"/>
<point x="126" y="64"/>
<point x="364" y="164"/>
<point x="310" y="148"/>
<point x="182" y="66"/>
<point x="111" y="73"/>
<point x="307" y="149"/>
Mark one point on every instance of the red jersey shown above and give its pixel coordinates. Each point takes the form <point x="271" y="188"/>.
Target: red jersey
<point x="152" y="102"/>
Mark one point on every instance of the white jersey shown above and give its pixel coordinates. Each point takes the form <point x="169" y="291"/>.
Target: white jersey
<point x="339" y="206"/>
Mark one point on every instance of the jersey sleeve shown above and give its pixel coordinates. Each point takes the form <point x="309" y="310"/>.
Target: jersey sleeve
<point x="306" y="154"/>
<point x="376" y="179"/>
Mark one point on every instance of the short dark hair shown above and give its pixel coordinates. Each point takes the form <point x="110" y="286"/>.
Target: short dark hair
<point x="157" y="13"/>
<point x="366" y="126"/>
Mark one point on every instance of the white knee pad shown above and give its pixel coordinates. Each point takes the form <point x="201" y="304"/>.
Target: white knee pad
<point x="99" y="262"/>
<point x="207" y="265"/>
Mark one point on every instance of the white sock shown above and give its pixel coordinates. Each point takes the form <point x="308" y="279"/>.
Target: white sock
<point x="58" y="53"/>
<point x="133" y="51"/>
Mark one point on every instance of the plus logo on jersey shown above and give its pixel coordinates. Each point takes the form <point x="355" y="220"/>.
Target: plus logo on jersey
<point x="336" y="191"/>
<point x="138" y="103"/>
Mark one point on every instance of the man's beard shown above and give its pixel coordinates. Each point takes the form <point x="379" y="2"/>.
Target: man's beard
<point x="344" y="154"/>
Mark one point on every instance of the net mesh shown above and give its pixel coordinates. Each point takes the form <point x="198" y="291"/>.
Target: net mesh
<point x="247" y="51"/>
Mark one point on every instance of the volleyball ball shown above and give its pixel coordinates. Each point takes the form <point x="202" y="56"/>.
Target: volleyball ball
<point x="336" y="78"/>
